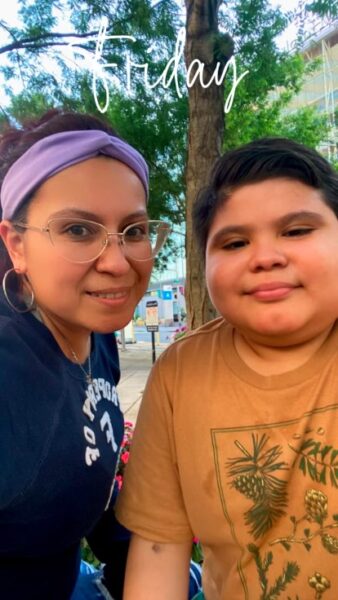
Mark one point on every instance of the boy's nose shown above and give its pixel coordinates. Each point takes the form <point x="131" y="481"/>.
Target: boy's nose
<point x="266" y="258"/>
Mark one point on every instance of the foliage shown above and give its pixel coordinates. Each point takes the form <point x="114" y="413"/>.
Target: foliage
<point x="179" y="333"/>
<point x="88" y="555"/>
<point x="197" y="553"/>
<point x="124" y="452"/>
<point x="324" y="8"/>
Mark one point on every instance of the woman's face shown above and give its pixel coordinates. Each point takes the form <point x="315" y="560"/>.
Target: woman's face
<point x="100" y="295"/>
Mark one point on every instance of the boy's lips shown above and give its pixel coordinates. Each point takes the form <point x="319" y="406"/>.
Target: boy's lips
<point x="273" y="285"/>
<point x="273" y="290"/>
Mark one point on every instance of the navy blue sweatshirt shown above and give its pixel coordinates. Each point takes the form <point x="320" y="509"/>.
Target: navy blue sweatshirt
<point x="59" y="445"/>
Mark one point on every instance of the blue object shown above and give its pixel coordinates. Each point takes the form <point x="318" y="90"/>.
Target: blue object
<point x="195" y="580"/>
<point x="89" y="585"/>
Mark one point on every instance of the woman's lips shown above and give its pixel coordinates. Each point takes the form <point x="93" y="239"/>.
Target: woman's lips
<point x="110" y="297"/>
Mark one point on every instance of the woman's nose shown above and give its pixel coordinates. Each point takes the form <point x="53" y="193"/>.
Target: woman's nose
<point x="113" y="258"/>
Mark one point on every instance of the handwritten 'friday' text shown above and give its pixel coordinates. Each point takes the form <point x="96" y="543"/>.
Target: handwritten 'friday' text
<point x="195" y="72"/>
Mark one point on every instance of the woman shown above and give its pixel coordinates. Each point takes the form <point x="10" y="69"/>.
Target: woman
<point x="77" y="256"/>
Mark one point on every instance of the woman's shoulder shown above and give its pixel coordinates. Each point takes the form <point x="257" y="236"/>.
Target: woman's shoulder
<point x="29" y="358"/>
<point x="22" y="337"/>
<point x="29" y="389"/>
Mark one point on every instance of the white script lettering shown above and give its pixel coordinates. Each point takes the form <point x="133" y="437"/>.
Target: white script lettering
<point x="101" y="76"/>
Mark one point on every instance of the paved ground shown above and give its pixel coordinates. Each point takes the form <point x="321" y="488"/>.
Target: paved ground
<point x="136" y="362"/>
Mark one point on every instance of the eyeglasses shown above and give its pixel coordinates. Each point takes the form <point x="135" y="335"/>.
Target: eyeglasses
<point x="82" y="241"/>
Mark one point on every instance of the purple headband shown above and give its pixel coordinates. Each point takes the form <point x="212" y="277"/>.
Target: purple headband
<point x="56" y="152"/>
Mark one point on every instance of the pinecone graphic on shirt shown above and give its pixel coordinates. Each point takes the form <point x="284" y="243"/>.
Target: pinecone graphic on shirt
<point x="315" y="505"/>
<point x="330" y="543"/>
<point x="254" y="474"/>
<point x="252" y="486"/>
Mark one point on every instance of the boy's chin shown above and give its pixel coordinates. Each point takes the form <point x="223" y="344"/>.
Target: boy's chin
<point x="281" y="335"/>
<point x="284" y="336"/>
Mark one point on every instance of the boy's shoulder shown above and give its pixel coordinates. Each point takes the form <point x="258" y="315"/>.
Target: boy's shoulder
<point x="208" y="329"/>
<point x="202" y="338"/>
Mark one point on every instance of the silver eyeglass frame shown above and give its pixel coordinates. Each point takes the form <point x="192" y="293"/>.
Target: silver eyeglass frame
<point x="109" y="235"/>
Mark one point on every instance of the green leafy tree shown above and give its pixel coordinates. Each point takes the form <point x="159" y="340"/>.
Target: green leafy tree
<point x="324" y="8"/>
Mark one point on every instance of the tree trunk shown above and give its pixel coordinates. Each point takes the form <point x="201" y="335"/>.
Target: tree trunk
<point x="206" y="130"/>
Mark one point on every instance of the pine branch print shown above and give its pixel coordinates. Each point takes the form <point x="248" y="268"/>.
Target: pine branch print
<point x="254" y="476"/>
<point x="289" y="574"/>
<point x="319" y="462"/>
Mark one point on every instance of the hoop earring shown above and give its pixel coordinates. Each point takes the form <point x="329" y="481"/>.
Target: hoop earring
<point x="29" y="306"/>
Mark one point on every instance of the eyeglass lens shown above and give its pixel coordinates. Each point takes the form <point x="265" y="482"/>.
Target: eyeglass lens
<point x="79" y="240"/>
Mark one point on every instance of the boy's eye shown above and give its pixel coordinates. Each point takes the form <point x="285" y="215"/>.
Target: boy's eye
<point x="234" y="244"/>
<point x="298" y="231"/>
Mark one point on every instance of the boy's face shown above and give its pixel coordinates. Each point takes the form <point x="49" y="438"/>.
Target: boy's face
<point x="272" y="262"/>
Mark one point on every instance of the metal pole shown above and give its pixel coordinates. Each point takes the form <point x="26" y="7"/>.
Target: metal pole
<point x="153" y="346"/>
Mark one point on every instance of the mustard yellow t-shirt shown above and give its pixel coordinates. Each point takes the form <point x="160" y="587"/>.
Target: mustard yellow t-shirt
<point x="247" y="463"/>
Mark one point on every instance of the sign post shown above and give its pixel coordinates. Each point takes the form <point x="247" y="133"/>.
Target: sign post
<point x="152" y="323"/>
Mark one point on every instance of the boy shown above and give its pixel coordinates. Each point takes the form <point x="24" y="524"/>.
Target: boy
<point x="237" y="439"/>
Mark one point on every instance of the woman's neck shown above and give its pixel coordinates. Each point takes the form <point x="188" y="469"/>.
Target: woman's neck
<point x="275" y="360"/>
<point x="75" y="344"/>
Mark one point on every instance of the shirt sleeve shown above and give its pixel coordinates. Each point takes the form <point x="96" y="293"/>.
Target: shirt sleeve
<point x="151" y="502"/>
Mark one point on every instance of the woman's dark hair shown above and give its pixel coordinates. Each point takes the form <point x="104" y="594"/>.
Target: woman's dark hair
<point x="14" y="142"/>
<point x="267" y="158"/>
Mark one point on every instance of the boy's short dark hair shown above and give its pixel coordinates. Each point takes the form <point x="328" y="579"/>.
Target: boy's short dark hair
<point x="267" y="158"/>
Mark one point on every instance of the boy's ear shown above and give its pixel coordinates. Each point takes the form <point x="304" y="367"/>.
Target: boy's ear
<point x="13" y="241"/>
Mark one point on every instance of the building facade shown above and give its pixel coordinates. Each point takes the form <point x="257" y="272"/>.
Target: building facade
<point x="169" y="295"/>
<point x="320" y="89"/>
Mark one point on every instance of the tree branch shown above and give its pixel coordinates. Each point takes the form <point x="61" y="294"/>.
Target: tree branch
<point x="30" y="42"/>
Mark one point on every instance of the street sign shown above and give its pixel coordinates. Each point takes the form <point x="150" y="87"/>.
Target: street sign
<point x="152" y="315"/>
